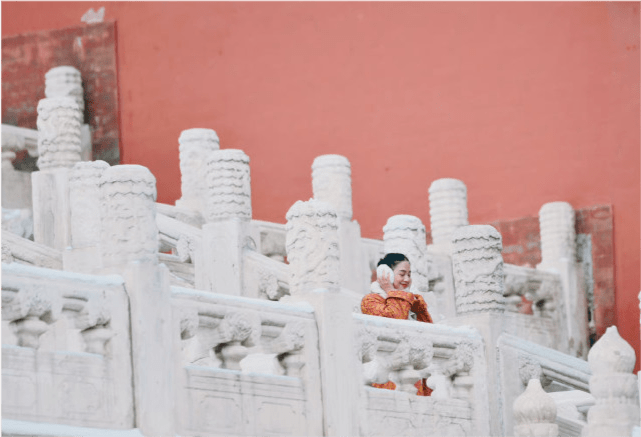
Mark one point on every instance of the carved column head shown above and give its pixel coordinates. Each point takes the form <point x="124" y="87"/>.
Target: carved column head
<point x="59" y="122"/>
<point x="129" y="231"/>
<point x="448" y="209"/>
<point x="196" y="146"/>
<point x="611" y="354"/>
<point x="556" y="220"/>
<point x="332" y="183"/>
<point x="65" y="81"/>
<point x="312" y="246"/>
<point x="613" y="385"/>
<point x="406" y="234"/>
<point x="85" y="202"/>
<point x="228" y="186"/>
<point x="478" y="269"/>
<point x="535" y="412"/>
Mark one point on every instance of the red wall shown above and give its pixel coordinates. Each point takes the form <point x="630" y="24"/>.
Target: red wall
<point x="525" y="102"/>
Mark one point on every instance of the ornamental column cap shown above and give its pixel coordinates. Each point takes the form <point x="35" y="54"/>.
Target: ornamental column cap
<point x="330" y="161"/>
<point x="403" y="221"/>
<point x="611" y="354"/>
<point x="198" y="134"/>
<point x="447" y="184"/>
<point x="141" y="180"/>
<point x="534" y="405"/>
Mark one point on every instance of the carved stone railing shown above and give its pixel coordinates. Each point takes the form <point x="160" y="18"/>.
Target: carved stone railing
<point x="264" y="277"/>
<point x="521" y="360"/>
<point x="21" y="250"/>
<point x="534" y="305"/>
<point x="452" y="360"/>
<point x="247" y="367"/>
<point x="270" y="239"/>
<point x="66" y="351"/>
<point x="184" y="241"/>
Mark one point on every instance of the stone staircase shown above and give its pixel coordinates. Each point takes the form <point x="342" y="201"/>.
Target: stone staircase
<point x="129" y="317"/>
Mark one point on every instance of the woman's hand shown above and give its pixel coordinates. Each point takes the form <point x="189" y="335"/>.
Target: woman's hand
<point x="419" y="305"/>
<point x="385" y="281"/>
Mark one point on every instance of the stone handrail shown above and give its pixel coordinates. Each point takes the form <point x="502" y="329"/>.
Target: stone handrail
<point x="248" y="325"/>
<point x="242" y="355"/>
<point x="541" y="287"/>
<point x="72" y="325"/>
<point x="16" y="138"/>
<point x="22" y="250"/>
<point x="451" y="358"/>
<point x="268" y="277"/>
<point x="269" y="238"/>
<point x="520" y="360"/>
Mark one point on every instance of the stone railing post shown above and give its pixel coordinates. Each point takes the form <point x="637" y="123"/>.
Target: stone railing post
<point x="66" y="81"/>
<point x="129" y="246"/>
<point x="85" y="203"/>
<point x="614" y="386"/>
<point x="558" y="255"/>
<point x="59" y="122"/>
<point x="228" y="213"/>
<point x="196" y="146"/>
<point x="535" y="412"/>
<point x="477" y="267"/>
<point x="478" y="270"/>
<point x="313" y="254"/>
<point x="332" y="183"/>
<point x="406" y="234"/>
<point x="448" y="211"/>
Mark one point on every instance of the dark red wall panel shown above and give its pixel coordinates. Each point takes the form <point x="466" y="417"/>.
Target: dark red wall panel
<point x="89" y="48"/>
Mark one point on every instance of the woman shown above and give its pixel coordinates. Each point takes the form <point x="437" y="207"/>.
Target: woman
<point x="390" y="298"/>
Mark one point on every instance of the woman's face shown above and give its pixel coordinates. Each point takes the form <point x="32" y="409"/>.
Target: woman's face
<point x="402" y="276"/>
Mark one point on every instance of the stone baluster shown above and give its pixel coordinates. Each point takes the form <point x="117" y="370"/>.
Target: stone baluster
<point x="228" y="213"/>
<point x="196" y="147"/>
<point x="412" y="354"/>
<point x="66" y="81"/>
<point x="232" y="337"/>
<point x="93" y="322"/>
<point x="313" y="255"/>
<point x="406" y="234"/>
<point x="448" y="211"/>
<point x="332" y="183"/>
<point x="614" y="387"/>
<point x="129" y="247"/>
<point x="558" y="255"/>
<point x="59" y="121"/>
<point x="85" y="202"/>
<point x="478" y="269"/>
<point x="535" y="412"/>
<point x="288" y="348"/>
<point x="451" y="378"/>
<point x="31" y="311"/>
